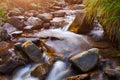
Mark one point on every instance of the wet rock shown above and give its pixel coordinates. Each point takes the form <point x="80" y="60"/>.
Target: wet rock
<point x="34" y="22"/>
<point x="79" y="77"/>
<point x="9" y="28"/>
<point x="112" y="72"/>
<point x="33" y="52"/>
<point x="45" y="17"/>
<point x="9" y="59"/>
<point x="86" y="60"/>
<point x="4" y="35"/>
<point x="58" y="22"/>
<point x="42" y="69"/>
<point x="59" y="14"/>
<point x="74" y="1"/>
<point x="80" y="23"/>
<point x="34" y="40"/>
<point x="16" y="33"/>
<point x="16" y="22"/>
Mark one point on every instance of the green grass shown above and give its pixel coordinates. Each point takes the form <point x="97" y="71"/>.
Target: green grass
<point x="108" y="14"/>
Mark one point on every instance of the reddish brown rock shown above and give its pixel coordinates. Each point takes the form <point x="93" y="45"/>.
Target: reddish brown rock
<point x="79" y="77"/>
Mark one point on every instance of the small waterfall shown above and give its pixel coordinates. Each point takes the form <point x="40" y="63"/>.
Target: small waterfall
<point x="24" y="74"/>
<point x="58" y="72"/>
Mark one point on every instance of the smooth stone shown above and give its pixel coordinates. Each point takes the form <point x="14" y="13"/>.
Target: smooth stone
<point x="45" y="17"/>
<point x="86" y="60"/>
<point x="9" y="28"/>
<point x="32" y="51"/>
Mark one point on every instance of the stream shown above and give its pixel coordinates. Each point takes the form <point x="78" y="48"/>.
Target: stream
<point x="46" y="45"/>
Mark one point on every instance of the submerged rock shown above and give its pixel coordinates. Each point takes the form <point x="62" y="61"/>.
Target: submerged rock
<point x="63" y="42"/>
<point x="86" y="60"/>
<point x="33" y="52"/>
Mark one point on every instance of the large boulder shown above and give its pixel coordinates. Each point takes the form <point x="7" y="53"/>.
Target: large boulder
<point x="86" y="60"/>
<point x="33" y="52"/>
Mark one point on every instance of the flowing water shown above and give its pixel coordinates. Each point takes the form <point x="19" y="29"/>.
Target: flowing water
<point x="58" y="72"/>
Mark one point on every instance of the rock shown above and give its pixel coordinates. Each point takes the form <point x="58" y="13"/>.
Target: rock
<point x="14" y="12"/>
<point x="16" y="22"/>
<point x="3" y="77"/>
<point x="79" y="77"/>
<point x="9" y="28"/>
<point x="80" y="24"/>
<point x="58" y="22"/>
<point x="33" y="52"/>
<point x="45" y="17"/>
<point x="74" y="1"/>
<point x="112" y="72"/>
<point x="4" y="35"/>
<point x="59" y="14"/>
<point x="31" y="13"/>
<point x="77" y="7"/>
<point x="34" y="22"/>
<point x="34" y="40"/>
<point x="42" y="69"/>
<point x="86" y="60"/>
<point x="16" y="33"/>
<point x="98" y="75"/>
<point x="9" y="59"/>
<point x="67" y="43"/>
<point x="46" y="25"/>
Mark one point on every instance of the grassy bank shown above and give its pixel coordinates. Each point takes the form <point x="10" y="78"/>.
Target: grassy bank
<point x="108" y="14"/>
